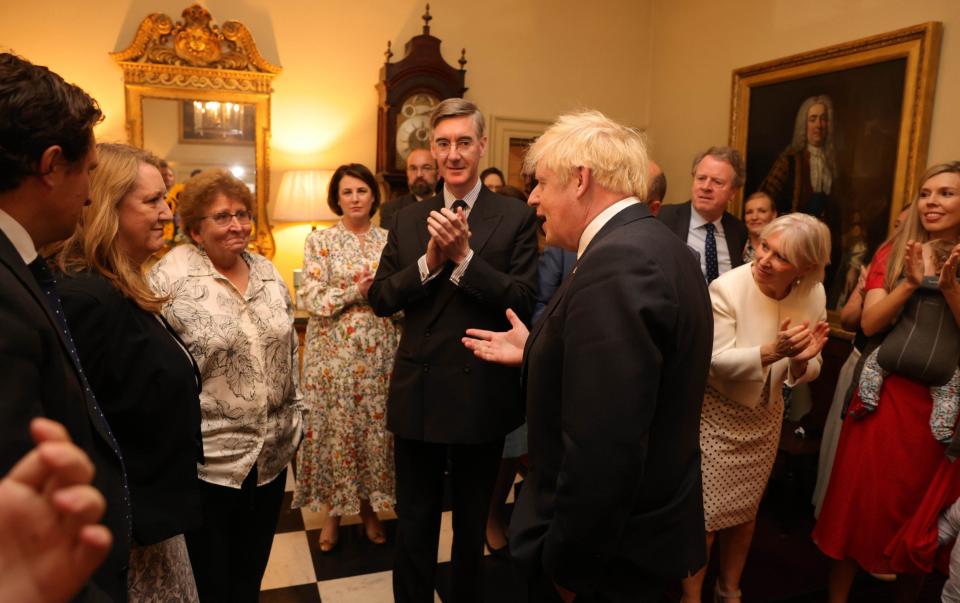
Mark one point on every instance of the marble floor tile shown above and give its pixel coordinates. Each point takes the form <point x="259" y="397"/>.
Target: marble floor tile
<point x="354" y="554"/>
<point x="290" y="520"/>
<point x="290" y="562"/>
<point x="446" y="537"/>
<point x="303" y="593"/>
<point x="366" y="588"/>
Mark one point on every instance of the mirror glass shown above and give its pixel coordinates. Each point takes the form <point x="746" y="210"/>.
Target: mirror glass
<point x="202" y="134"/>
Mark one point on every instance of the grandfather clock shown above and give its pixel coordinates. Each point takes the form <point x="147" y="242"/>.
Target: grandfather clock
<point x="409" y="90"/>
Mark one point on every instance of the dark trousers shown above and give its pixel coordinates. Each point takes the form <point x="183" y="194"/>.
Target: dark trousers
<point x="621" y="583"/>
<point x="229" y="552"/>
<point x="420" y="467"/>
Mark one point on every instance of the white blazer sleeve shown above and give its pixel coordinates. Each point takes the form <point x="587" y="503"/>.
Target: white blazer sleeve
<point x="729" y="362"/>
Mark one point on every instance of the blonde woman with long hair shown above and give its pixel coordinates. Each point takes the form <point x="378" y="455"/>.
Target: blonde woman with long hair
<point x="144" y="380"/>
<point x="891" y="477"/>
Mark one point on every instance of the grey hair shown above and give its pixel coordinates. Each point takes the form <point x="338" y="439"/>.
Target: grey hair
<point x="799" y="142"/>
<point x="805" y="242"/>
<point x="457" y="107"/>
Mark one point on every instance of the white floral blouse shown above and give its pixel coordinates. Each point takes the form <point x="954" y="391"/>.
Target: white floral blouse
<point x="246" y="347"/>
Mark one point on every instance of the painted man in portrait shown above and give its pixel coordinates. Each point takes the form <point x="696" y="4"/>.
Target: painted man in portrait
<point x="805" y="178"/>
<point x="802" y="177"/>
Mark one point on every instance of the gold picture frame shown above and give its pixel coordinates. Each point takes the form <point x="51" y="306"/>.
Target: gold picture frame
<point x="877" y="95"/>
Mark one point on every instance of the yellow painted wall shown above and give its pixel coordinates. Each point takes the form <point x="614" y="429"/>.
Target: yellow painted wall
<point x="664" y="65"/>
<point x="698" y="44"/>
<point x="527" y="59"/>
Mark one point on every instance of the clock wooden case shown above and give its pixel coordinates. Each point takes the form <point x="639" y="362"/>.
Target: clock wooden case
<point x="409" y="90"/>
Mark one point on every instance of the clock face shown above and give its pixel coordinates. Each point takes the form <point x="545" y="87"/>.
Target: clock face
<point x="413" y="126"/>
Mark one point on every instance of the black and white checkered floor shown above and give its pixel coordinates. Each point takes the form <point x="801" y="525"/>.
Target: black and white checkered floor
<point x="784" y="565"/>
<point x="357" y="571"/>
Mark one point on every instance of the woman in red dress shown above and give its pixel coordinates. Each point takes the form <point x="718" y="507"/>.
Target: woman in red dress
<point x="891" y="478"/>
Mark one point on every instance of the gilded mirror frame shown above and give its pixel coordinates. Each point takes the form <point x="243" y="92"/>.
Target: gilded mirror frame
<point x="194" y="59"/>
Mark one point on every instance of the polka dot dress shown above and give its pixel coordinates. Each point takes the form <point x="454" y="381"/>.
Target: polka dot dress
<point x="738" y="446"/>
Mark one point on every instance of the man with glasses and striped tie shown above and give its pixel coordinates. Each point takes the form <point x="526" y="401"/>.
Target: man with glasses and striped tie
<point x="457" y="260"/>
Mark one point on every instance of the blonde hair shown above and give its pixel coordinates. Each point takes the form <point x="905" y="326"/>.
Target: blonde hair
<point x="804" y="242"/>
<point x="199" y="192"/>
<point x="912" y="228"/>
<point x="615" y="154"/>
<point x="93" y="244"/>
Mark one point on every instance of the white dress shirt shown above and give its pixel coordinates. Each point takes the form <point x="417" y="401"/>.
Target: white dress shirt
<point x="697" y="239"/>
<point x="19" y="236"/>
<point x="600" y="220"/>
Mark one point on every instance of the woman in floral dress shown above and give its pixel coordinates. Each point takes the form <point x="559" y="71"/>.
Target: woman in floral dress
<point x="346" y="461"/>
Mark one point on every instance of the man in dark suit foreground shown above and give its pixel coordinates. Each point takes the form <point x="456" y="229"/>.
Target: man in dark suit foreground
<point x="454" y="261"/>
<point x="703" y="222"/>
<point x="614" y="372"/>
<point x="46" y="154"/>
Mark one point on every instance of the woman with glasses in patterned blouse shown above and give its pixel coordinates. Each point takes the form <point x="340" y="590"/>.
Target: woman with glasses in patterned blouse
<point x="232" y="309"/>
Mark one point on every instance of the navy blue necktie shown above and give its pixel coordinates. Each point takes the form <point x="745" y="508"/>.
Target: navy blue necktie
<point x="710" y="253"/>
<point x="48" y="284"/>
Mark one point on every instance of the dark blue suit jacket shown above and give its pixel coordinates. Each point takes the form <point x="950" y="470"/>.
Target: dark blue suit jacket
<point x="614" y="373"/>
<point x="40" y="380"/>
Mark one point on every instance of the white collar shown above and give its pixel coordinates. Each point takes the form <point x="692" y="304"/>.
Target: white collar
<point x="470" y="198"/>
<point x="600" y="220"/>
<point x="696" y="220"/>
<point x="19" y="236"/>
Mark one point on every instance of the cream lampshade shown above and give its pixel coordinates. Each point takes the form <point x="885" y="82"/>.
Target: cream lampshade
<point x="303" y="197"/>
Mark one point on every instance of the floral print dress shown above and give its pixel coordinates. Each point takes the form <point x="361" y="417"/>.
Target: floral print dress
<point x="347" y="454"/>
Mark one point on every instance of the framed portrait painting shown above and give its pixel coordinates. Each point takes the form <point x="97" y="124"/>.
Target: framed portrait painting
<point x="840" y="133"/>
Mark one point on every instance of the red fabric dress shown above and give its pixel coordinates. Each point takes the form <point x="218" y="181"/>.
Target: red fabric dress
<point x="890" y="480"/>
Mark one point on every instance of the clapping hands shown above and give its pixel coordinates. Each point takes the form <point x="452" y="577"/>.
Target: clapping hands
<point x="801" y="343"/>
<point x="948" y="274"/>
<point x="449" y="237"/>
<point x="364" y="280"/>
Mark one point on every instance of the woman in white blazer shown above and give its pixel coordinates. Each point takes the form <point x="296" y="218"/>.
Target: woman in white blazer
<point x="769" y="327"/>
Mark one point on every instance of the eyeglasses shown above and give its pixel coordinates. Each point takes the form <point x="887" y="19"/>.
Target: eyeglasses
<point x="224" y="218"/>
<point x="463" y="145"/>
